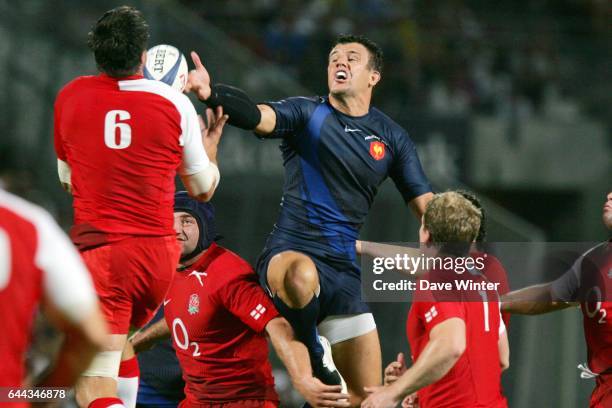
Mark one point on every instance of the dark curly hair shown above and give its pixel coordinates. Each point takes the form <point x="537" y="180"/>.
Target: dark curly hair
<point x="375" y="61"/>
<point x="118" y="40"/>
<point x="471" y="197"/>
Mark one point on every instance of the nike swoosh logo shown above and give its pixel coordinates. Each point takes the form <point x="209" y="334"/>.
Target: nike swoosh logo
<point x="167" y="301"/>
<point x="348" y="129"/>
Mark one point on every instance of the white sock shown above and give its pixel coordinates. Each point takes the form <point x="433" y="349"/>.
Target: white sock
<point x="127" y="383"/>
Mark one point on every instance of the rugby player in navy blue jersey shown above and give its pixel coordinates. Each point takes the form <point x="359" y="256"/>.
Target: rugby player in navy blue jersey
<point x="336" y="150"/>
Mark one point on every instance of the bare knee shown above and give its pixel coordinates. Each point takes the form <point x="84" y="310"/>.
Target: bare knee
<point x="294" y="278"/>
<point x="302" y="276"/>
<point x="300" y="282"/>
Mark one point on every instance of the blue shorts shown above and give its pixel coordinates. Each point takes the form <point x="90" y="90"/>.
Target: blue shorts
<point x="340" y="281"/>
<point x="149" y="397"/>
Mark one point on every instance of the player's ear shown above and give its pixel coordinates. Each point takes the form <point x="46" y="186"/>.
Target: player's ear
<point x="424" y="234"/>
<point x="374" y="78"/>
<point x="143" y="58"/>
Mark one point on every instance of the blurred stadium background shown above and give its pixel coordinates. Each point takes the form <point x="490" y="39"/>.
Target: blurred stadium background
<point x="510" y="99"/>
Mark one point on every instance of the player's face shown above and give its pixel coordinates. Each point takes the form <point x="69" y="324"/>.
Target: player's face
<point x="607" y="212"/>
<point x="348" y="71"/>
<point x="187" y="231"/>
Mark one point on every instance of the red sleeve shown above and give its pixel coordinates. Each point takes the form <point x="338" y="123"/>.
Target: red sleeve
<point x="245" y="299"/>
<point x="434" y="313"/>
<point x="57" y="137"/>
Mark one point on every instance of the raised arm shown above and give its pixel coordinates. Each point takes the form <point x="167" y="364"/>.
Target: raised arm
<point x="296" y="360"/>
<point x="203" y="183"/>
<point x="267" y="124"/>
<point x="242" y="111"/>
<point x="408" y="175"/>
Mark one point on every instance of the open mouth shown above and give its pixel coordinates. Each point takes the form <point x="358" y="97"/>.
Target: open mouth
<point x="341" y="76"/>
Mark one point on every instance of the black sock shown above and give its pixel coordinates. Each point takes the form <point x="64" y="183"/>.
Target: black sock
<point x="304" y="323"/>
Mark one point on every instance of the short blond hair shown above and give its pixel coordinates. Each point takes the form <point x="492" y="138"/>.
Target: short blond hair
<point x="450" y="217"/>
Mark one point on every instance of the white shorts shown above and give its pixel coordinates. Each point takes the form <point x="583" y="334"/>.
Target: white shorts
<point x="344" y="327"/>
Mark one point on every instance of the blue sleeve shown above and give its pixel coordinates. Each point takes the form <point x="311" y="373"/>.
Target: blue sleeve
<point x="406" y="170"/>
<point x="292" y="115"/>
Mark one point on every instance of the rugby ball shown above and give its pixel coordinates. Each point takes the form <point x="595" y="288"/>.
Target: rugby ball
<point x="167" y="64"/>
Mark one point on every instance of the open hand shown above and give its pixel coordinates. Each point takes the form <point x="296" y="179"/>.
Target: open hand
<point x="198" y="80"/>
<point x="211" y="133"/>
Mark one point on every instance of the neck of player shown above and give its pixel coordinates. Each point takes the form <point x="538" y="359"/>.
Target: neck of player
<point x="186" y="264"/>
<point x="351" y="105"/>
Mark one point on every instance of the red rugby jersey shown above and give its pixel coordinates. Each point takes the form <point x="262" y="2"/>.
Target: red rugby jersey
<point x="495" y="272"/>
<point x="597" y="307"/>
<point x="124" y="140"/>
<point x="36" y="259"/>
<point x="475" y="379"/>
<point x="590" y="282"/>
<point x="217" y="313"/>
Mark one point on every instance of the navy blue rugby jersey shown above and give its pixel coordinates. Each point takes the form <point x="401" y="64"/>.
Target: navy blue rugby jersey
<point x="334" y="164"/>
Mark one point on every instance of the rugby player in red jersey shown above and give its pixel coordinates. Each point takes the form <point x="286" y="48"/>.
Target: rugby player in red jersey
<point x="493" y="270"/>
<point x="459" y="347"/>
<point x="589" y="282"/>
<point x="38" y="263"/>
<point x="119" y="140"/>
<point x="218" y="317"/>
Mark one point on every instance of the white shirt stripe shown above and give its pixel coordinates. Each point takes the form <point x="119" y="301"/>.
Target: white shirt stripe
<point x="67" y="283"/>
<point x="195" y="159"/>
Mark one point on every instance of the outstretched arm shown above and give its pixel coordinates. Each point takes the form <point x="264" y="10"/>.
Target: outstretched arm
<point x="532" y="300"/>
<point x="294" y="356"/>
<point x="267" y="124"/>
<point x="381" y="250"/>
<point x="378" y="249"/>
<point x="242" y="111"/>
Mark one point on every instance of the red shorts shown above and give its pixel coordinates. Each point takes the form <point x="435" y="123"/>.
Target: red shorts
<point x="131" y="278"/>
<point x="602" y="394"/>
